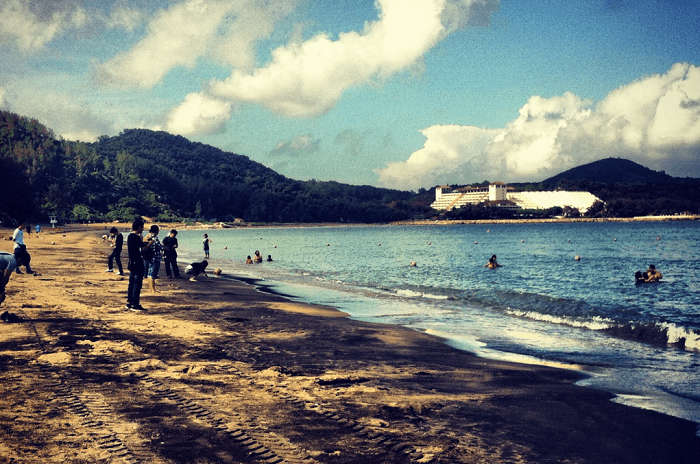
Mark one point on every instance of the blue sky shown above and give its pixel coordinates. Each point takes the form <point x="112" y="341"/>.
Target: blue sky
<point x="395" y="93"/>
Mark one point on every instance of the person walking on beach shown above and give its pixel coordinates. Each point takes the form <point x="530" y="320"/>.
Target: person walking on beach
<point x="117" y="240"/>
<point x="7" y="265"/>
<point x="152" y="254"/>
<point x="134" y="244"/>
<point x="205" y="245"/>
<point x="22" y="256"/>
<point x="170" y="252"/>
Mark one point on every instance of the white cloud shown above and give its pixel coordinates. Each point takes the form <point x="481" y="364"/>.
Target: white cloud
<point x="308" y="78"/>
<point x="199" y="114"/>
<point x="654" y="121"/>
<point x="30" y="26"/>
<point x="299" y="145"/>
<point x="76" y="120"/>
<point x="186" y="31"/>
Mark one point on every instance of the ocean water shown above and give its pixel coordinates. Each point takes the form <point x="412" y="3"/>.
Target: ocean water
<point x="641" y="343"/>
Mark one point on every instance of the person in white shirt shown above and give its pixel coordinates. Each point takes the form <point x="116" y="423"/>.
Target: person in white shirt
<point x="22" y="257"/>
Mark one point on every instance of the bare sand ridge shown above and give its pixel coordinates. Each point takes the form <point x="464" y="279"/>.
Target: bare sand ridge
<point x="218" y="372"/>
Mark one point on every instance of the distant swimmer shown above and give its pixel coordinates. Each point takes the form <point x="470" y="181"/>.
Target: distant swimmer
<point x="640" y="277"/>
<point x="652" y="274"/>
<point x="493" y="263"/>
<point x="258" y="257"/>
<point x="249" y="260"/>
<point x="269" y="258"/>
<point x="413" y="264"/>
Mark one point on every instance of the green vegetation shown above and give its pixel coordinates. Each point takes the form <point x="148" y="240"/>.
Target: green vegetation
<point x="169" y="178"/>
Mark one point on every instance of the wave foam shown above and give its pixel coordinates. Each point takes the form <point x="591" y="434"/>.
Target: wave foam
<point x="662" y="333"/>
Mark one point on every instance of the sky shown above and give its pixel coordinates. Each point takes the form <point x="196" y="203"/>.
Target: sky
<point x="394" y="93"/>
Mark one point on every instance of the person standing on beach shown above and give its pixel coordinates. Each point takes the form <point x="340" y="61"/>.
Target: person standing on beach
<point x="117" y="242"/>
<point x="205" y="245"/>
<point x="134" y="244"/>
<point x="152" y="254"/>
<point x="22" y="257"/>
<point x="7" y="265"/>
<point x="170" y="251"/>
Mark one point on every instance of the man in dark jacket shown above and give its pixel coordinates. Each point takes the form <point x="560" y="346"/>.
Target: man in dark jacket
<point x="117" y="242"/>
<point x="134" y="244"/>
<point x="170" y="249"/>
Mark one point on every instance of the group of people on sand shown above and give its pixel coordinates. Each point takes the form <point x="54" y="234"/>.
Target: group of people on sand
<point x="145" y="254"/>
<point x="11" y="262"/>
<point x="257" y="258"/>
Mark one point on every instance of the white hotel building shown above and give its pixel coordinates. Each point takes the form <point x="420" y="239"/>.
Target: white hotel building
<point x="447" y="199"/>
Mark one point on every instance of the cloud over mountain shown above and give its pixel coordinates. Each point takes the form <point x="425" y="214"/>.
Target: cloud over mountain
<point x="654" y="121"/>
<point x="307" y="78"/>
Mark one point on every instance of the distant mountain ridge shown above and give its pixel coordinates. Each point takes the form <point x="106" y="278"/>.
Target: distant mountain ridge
<point x="610" y="171"/>
<point x="170" y="178"/>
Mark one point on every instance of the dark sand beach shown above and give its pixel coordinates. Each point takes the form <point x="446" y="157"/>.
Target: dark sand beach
<point x="218" y="372"/>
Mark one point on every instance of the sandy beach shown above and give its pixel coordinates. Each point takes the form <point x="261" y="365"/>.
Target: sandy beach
<point x="217" y="371"/>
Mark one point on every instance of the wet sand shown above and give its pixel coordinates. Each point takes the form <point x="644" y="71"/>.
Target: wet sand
<point x="218" y="372"/>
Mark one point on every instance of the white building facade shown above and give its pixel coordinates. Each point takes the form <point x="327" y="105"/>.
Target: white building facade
<point x="447" y="199"/>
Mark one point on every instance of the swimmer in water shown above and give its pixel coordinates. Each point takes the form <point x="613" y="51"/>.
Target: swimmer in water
<point x="652" y="274"/>
<point x="492" y="264"/>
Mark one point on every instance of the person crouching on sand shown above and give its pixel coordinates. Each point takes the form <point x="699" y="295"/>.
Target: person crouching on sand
<point x="7" y="265"/>
<point x="134" y="243"/>
<point x="194" y="269"/>
<point x="152" y="254"/>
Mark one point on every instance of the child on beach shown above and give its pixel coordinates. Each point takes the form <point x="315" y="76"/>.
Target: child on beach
<point x="205" y="245"/>
<point x="152" y="254"/>
<point x="134" y="243"/>
<point x="117" y="240"/>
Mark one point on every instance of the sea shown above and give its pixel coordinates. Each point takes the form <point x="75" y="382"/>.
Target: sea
<point x="543" y="306"/>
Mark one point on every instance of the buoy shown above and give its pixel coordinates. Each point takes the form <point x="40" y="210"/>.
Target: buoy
<point x="328" y="244"/>
<point x="577" y="258"/>
<point x="475" y="242"/>
<point x="225" y="248"/>
<point x="53" y="243"/>
<point x="430" y="243"/>
<point x="379" y="244"/>
<point x="488" y="231"/>
<point x="614" y="240"/>
<point x="522" y="241"/>
<point x="413" y="264"/>
<point x="658" y="237"/>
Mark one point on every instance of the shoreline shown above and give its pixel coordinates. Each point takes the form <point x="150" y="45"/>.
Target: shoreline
<point x="417" y="222"/>
<point x="300" y="380"/>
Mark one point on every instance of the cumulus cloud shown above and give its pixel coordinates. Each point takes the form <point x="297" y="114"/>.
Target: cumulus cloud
<point x="298" y="146"/>
<point x="199" y="114"/>
<point x="307" y="78"/>
<point x="30" y="26"/>
<point x="177" y="36"/>
<point x="654" y="121"/>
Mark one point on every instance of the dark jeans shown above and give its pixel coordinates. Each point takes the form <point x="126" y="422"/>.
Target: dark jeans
<point x="115" y="256"/>
<point x="133" y="296"/>
<point x="171" y="262"/>
<point x="23" y="258"/>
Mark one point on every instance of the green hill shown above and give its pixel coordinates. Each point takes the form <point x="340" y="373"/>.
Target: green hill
<point x="169" y="177"/>
<point x="609" y="171"/>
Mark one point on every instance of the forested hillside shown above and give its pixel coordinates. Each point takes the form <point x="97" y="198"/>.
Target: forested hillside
<point x="169" y="178"/>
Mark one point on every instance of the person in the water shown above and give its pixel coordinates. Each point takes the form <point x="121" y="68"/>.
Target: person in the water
<point x="493" y="263"/>
<point x="652" y="274"/>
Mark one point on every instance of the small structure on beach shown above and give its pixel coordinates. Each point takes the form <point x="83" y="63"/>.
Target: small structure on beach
<point x="498" y="193"/>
